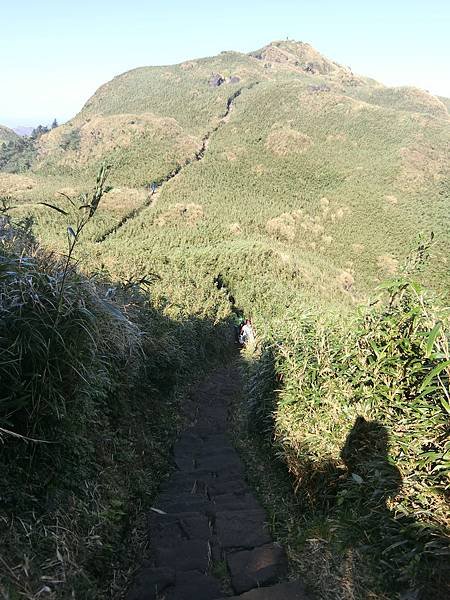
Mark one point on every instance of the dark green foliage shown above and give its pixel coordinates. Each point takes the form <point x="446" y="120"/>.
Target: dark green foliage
<point x="17" y="156"/>
<point x="70" y="140"/>
<point x="38" y="131"/>
<point x="58" y="360"/>
<point x="90" y="375"/>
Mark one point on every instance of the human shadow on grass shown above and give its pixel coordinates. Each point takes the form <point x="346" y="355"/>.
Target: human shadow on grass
<point x="406" y="551"/>
<point x="355" y="496"/>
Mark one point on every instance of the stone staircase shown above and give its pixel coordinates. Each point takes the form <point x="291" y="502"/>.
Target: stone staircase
<point x="207" y="532"/>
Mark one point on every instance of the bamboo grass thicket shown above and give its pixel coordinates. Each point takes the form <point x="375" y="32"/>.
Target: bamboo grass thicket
<point x="389" y="367"/>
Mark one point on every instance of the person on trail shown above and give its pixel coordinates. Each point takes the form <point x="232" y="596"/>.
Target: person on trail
<point x="153" y="186"/>
<point x="238" y="322"/>
<point x="247" y="334"/>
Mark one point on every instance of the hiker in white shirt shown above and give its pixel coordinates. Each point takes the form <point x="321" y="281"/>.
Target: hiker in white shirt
<point x="247" y="334"/>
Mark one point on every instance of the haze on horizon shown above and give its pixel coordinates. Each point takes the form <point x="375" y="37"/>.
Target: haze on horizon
<point x="54" y="57"/>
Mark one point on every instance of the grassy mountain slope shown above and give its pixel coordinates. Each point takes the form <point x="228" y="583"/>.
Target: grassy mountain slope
<point x="289" y="188"/>
<point x="7" y="135"/>
<point x="361" y="161"/>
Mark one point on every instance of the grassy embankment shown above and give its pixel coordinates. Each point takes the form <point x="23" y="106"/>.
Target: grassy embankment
<point x="359" y="412"/>
<point x="93" y="377"/>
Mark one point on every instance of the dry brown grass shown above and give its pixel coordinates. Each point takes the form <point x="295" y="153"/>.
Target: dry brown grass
<point x="295" y="55"/>
<point x="188" y="65"/>
<point x="312" y="228"/>
<point x="421" y="163"/>
<point x="284" y="140"/>
<point x="104" y="133"/>
<point x="423" y="100"/>
<point x="345" y="280"/>
<point x="233" y="154"/>
<point x="337" y="137"/>
<point x="333" y="576"/>
<point x="15" y="185"/>
<point x="123" y="200"/>
<point x="189" y="213"/>
<point x="387" y="264"/>
<point x="285" y="225"/>
<point x="66" y="191"/>
<point x="358" y="248"/>
<point x="259" y="169"/>
<point x="235" y="228"/>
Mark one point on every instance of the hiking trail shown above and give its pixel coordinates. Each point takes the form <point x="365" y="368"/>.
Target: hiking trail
<point x="207" y="533"/>
<point x="198" y="156"/>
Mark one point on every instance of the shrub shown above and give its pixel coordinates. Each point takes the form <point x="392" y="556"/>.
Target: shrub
<point x="61" y="353"/>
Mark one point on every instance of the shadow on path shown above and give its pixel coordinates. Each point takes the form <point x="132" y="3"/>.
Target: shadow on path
<point x="207" y="532"/>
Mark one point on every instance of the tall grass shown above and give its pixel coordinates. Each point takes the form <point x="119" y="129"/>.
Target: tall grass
<point x="92" y="376"/>
<point x="360" y="414"/>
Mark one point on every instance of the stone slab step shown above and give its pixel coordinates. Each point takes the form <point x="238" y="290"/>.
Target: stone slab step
<point x="150" y="583"/>
<point x="219" y="462"/>
<point x="233" y="502"/>
<point x="282" y="591"/>
<point x="204" y="482"/>
<point x="168" y="530"/>
<point x="154" y="584"/>
<point x="245" y="529"/>
<point x="233" y="486"/>
<point x="256" y="568"/>
<point x="193" y="586"/>
<point x="187" y="555"/>
<point x="183" y="503"/>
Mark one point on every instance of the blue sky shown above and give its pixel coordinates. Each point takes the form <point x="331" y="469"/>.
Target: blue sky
<point x="55" y="54"/>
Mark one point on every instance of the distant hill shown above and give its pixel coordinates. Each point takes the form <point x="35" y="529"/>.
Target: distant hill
<point x="7" y="135"/>
<point x="174" y="106"/>
<point x="336" y="172"/>
<point x="23" y="131"/>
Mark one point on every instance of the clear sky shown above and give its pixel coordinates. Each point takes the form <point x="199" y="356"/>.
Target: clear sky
<point x="55" y="54"/>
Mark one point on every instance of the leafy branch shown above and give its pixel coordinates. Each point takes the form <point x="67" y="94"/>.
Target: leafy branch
<point x="85" y="211"/>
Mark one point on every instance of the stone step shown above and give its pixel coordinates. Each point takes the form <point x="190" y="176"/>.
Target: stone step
<point x="185" y="503"/>
<point x="282" y="591"/>
<point x="233" y="502"/>
<point x="201" y="482"/>
<point x="207" y="448"/>
<point x="210" y="517"/>
<point x="256" y="568"/>
<point x="170" y="529"/>
<point x="187" y="555"/>
<point x="157" y="583"/>
<point x="219" y="462"/>
<point x="150" y="583"/>
<point x="244" y="529"/>
<point x="193" y="586"/>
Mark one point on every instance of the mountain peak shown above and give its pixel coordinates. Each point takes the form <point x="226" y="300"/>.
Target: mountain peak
<point x="300" y="55"/>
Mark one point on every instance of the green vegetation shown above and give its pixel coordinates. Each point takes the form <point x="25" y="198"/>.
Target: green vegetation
<point x="360" y="415"/>
<point x="17" y="154"/>
<point x="93" y="375"/>
<point x="7" y="135"/>
<point x="301" y="195"/>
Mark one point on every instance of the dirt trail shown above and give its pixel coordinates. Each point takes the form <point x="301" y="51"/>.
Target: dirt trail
<point x="199" y="155"/>
<point x="207" y="532"/>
